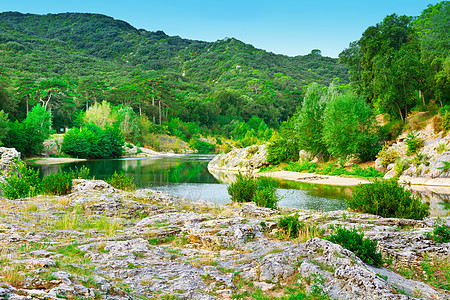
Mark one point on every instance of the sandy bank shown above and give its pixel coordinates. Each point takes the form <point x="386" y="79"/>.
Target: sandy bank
<point x="315" y="178"/>
<point x="54" y="160"/>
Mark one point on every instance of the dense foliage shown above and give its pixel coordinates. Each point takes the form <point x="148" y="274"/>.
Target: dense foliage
<point x="92" y="141"/>
<point x="403" y="62"/>
<point x="355" y="241"/>
<point x="261" y="190"/>
<point x="388" y="199"/>
<point x="20" y="182"/>
<point x="70" y="61"/>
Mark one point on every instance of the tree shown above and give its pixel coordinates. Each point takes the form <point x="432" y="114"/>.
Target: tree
<point x="91" y="91"/>
<point x="349" y="127"/>
<point x="309" y="124"/>
<point x="101" y="115"/>
<point x="27" y="89"/>
<point x="28" y="136"/>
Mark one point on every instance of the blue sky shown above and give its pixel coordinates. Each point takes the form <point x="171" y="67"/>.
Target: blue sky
<point x="283" y="27"/>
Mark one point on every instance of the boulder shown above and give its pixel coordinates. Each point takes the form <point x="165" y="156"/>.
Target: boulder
<point x="7" y="155"/>
<point x="241" y="160"/>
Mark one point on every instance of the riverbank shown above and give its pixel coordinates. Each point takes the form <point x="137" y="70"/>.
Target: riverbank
<point x="315" y="178"/>
<point x="147" y="244"/>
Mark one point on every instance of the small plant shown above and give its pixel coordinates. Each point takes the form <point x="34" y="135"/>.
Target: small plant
<point x="354" y="241"/>
<point x="57" y="184"/>
<point x="80" y="173"/>
<point x="441" y="232"/>
<point x="414" y="143"/>
<point x="21" y="181"/>
<point x="388" y="199"/>
<point x="243" y="189"/>
<point x="387" y="155"/>
<point x="121" y="181"/>
<point x="290" y="225"/>
<point x="442" y="147"/>
<point x="294" y="229"/>
<point x="400" y="166"/>
<point x="446" y="167"/>
<point x="265" y="193"/>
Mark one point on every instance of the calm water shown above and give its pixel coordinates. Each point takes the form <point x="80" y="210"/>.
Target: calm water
<point x="187" y="176"/>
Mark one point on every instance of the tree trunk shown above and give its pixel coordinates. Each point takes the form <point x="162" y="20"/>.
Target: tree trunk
<point x="153" y="104"/>
<point x="159" y="112"/>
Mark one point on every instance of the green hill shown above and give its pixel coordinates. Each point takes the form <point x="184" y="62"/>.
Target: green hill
<point x="73" y="47"/>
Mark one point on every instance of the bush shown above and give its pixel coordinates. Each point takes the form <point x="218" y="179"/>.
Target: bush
<point x="387" y="155"/>
<point x="57" y="184"/>
<point x="386" y="198"/>
<point x="265" y="193"/>
<point x="354" y="241"/>
<point x="21" y="181"/>
<point x="441" y="232"/>
<point x="93" y="142"/>
<point x="121" y="181"/>
<point x="282" y="149"/>
<point x="414" y="143"/>
<point x="446" y="121"/>
<point x="201" y="146"/>
<point x="262" y="191"/>
<point x="243" y="189"/>
<point x="290" y="225"/>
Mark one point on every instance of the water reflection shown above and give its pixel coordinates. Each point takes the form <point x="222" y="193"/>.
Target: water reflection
<point x="147" y="172"/>
<point x="438" y="197"/>
<point x="187" y="176"/>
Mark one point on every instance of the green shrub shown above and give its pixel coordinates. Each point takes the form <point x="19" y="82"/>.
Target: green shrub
<point x="301" y="167"/>
<point x="121" y="181"/>
<point x="282" y="149"/>
<point x="93" y="142"/>
<point x="243" y="189"/>
<point x="20" y="182"/>
<point x="446" y="167"/>
<point x="386" y="198"/>
<point x="400" y="166"/>
<point x="201" y="146"/>
<point x="354" y="241"/>
<point x="262" y="190"/>
<point x="387" y="155"/>
<point x="80" y="173"/>
<point x="290" y="225"/>
<point x="441" y="232"/>
<point x="349" y="128"/>
<point x="57" y="184"/>
<point x="414" y="143"/>
<point x="265" y="193"/>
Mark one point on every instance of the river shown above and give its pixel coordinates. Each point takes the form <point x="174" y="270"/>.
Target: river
<point x="188" y="176"/>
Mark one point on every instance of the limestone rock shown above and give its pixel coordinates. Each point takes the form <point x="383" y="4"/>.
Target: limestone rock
<point x="242" y="160"/>
<point x="7" y="156"/>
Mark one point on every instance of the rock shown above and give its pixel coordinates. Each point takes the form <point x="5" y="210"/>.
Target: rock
<point x="264" y="286"/>
<point x="250" y="209"/>
<point x="242" y="160"/>
<point x="83" y="185"/>
<point x="7" y="156"/>
<point x="52" y="147"/>
<point x="304" y="155"/>
<point x="318" y="159"/>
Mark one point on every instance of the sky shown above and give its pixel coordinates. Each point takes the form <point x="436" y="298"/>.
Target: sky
<point x="290" y="27"/>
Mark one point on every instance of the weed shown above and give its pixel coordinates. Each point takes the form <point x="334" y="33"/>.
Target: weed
<point x="121" y="181"/>
<point x="354" y="241"/>
<point x="413" y="143"/>
<point x="441" y="232"/>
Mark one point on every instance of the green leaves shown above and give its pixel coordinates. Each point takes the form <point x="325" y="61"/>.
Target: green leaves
<point x="386" y="198"/>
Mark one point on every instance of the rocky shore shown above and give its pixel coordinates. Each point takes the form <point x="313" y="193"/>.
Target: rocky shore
<point x="102" y="243"/>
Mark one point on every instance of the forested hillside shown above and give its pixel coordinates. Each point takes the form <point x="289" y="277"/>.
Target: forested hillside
<point x="79" y="55"/>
